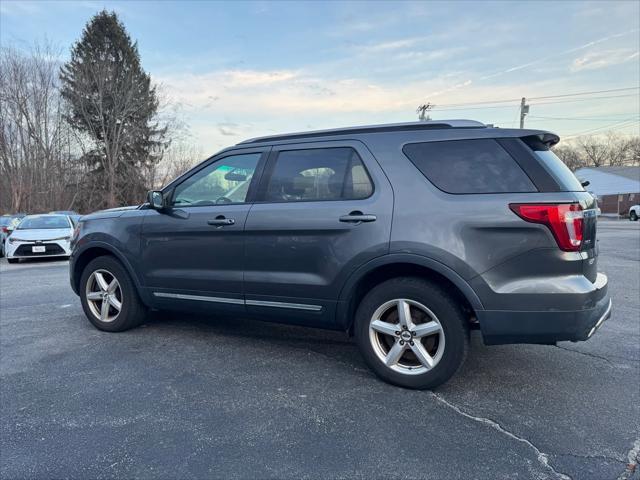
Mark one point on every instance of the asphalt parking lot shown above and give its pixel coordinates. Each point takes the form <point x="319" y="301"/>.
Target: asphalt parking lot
<point x="192" y="397"/>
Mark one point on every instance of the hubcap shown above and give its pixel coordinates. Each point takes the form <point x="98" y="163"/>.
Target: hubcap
<point x="104" y="295"/>
<point x="406" y="336"/>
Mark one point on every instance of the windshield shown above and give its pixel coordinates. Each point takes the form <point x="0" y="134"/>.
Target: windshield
<point x="4" y="221"/>
<point x="44" y="222"/>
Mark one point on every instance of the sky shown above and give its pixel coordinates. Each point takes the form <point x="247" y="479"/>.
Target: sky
<point x="235" y="70"/>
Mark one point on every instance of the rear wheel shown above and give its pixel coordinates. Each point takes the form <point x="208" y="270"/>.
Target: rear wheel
<point x="109" y="298"/>
<point x="411" y="333"/>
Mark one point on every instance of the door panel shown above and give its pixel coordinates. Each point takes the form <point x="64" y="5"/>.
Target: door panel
<point x="301" y="252"/>
<point x="193" y="250"/>
<point x="182" y="251"/>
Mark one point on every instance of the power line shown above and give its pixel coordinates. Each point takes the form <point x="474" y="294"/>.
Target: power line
<point x="618" y="125"/>
<point x="582" y="118"/>
<point x="486" y="102"/>
<point x="533" y="103"/>
<point x="586" y="99"/>
<point x="585" y="93"/>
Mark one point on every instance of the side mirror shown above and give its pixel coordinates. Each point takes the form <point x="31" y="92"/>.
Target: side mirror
<point x="155" y="199"/>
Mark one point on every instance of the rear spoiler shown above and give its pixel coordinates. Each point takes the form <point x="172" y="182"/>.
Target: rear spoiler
<point x="542" y="141"/>
<point x="550" y="139"/>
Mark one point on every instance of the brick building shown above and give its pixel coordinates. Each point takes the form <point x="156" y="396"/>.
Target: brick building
<point x="617" y="188"/>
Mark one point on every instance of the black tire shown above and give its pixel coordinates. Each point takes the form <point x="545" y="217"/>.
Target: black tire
<point x="633" y="217"/>
<point x="133" y="311"/>
<point x="13" y="260"/>
<point x="449" y="314"/>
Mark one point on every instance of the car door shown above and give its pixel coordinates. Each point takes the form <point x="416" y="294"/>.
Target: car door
<point x="322" y="210"/>
<point x="193" y="250"/>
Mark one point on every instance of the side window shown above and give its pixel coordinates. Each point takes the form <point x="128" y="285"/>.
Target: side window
<point x="224" y="181"/>
<point x="469" y="166"/>
<point x="318" y="174"/>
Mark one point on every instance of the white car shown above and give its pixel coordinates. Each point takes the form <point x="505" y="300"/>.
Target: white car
<point x="40" y="236"/>
<point x="634" y="213"/>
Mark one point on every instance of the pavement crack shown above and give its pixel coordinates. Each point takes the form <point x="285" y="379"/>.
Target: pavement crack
<point x="592" y="355"/>
<point x="542" y="457"/>
<point x="633" y="458"/>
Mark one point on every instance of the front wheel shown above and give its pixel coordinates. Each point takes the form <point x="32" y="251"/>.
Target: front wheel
<point x="633" y="216"/>
<point x="411" y="333"/>
<point x="13" y="260"/>
<point x="109" y="297"/>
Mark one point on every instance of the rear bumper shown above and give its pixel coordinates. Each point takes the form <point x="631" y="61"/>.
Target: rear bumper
<point x="546" y="327"/>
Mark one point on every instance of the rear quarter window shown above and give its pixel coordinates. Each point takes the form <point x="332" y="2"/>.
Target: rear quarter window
<point x="469" y="166"/>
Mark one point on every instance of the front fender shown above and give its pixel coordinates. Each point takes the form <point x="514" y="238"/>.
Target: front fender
<point x="81" y="251"/>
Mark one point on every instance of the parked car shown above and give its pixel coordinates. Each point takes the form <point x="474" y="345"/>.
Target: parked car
<point x="7" y="224"/>
<point x="74" y="216"/>
<point x="407" y="236"/>
<point x="40" y="236"/>
<point x="634" y="213"/>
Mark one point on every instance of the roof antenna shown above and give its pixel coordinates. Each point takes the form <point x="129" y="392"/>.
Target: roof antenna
<point x="422" y="110"/>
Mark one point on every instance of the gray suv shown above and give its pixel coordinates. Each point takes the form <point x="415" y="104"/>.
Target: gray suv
<point x="407" y="236"/>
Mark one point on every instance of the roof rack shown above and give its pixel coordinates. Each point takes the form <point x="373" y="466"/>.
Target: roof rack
<point x="389" y="127"/>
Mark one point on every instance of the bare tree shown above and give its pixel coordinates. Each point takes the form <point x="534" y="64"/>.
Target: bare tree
<point x="593" y="150"/>
<point x="570" y="156"/>
<point x="600" y="150"/>
<point x="177" y="159"/>
<point x="36" y="145"/>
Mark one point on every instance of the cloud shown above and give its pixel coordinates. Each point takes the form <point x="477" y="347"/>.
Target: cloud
<point x="559" y="54"/>
<point x="248" y="78"/>
<point x="389" y="46"/>
<point x="601" y="59"/>
<point x="228" y="129"/>
<point x="18" y="8"/>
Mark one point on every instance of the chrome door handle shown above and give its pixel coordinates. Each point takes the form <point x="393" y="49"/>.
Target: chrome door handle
<point x="357" y="217"/>
<point x="221" y="222"/>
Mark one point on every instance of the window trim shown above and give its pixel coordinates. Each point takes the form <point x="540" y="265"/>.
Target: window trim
<point x="170" y="190"/>
<point x="496" y="141"/>
<point x="261" y="191"/>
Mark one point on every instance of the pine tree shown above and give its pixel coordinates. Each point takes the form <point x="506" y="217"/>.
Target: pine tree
<point x="113" y="103"/>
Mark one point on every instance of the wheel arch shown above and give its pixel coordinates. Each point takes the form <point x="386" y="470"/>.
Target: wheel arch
<point x="396" y="265"/>
<point x="95" y="250"/>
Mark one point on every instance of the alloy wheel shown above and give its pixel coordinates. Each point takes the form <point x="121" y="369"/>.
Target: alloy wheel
<point x="406" y="336"/>
<point x="104" y="295"/>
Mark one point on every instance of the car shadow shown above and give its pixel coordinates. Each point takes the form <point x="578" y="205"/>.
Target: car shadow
<point x="336" y="345"/>
<point x="505" y="364"/>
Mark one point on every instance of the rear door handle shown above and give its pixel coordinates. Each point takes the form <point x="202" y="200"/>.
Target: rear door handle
<point x="221" y="221"/>
<point x="357" y="217"/>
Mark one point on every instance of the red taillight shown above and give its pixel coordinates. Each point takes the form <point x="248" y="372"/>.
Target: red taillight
<point x="5" y="229"/>
<point x="565" y="220"/>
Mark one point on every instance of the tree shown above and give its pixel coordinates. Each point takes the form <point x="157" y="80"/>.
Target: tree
<point x="570" y="156"/>
<point x="114" y="105"/>
<point x="37" y="168"/>
<point x="606" y="150"/>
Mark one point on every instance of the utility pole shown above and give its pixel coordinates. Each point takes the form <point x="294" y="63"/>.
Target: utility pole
<point x="422" y="111"/>
<point x="524" y="109"/>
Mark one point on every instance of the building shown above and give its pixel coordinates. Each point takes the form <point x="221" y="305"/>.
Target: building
<point x="617" y="188"/>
